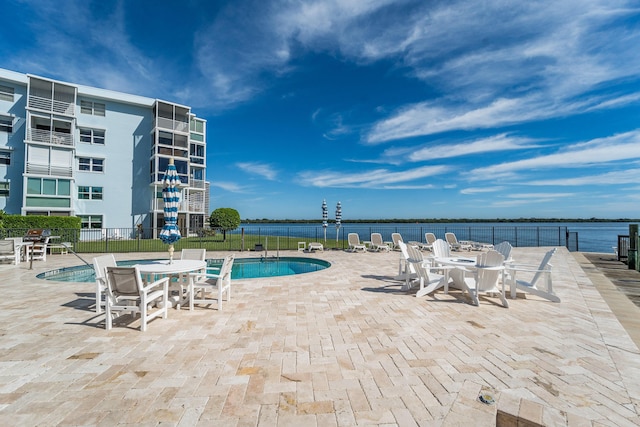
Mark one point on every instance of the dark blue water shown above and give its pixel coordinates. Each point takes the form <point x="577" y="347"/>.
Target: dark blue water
<point x="592" y="236"/>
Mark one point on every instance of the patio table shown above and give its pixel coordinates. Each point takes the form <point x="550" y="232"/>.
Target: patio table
<point x="179" y="268"/>
<point x="460" y="264"/>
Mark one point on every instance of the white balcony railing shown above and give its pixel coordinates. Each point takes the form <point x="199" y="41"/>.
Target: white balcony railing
<point x="191" y="206"/>
<point x="196" y="207"/>
<point x="196" y="183"/>
<point x="172" y="124"/>
<point x="47" y="169"/>
<point x="52" y="105"/>
<point x="49" y="137"/>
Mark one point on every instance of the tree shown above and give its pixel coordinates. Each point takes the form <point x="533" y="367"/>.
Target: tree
<point x="224" y="219"/>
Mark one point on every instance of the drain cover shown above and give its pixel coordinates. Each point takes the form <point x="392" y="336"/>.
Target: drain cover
<point x="487" y="399"/>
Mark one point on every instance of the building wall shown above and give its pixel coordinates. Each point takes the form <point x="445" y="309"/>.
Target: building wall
<point x="13" y="141"/>
<point x="128" y="196"/>
<point x="125" y="180"/>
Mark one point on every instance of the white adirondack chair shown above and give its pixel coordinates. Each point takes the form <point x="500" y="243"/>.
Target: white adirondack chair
<point x="540" y="283"/>
<point x="484" y="278"/>
<point x="428" y="280"/>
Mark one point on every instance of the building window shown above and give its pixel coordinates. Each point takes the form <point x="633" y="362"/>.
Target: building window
<point x="92" y="136"/>
<point x="4" y="188"/>
<point x="90" y="221"/>
<point x="90" y="164"/>
<point x="89" y="193"/>
<point x="6" y="123"/>
<point x="94" y="108"/>
<point x="5" y="157"/>
<point x="48" y="187"/>
<point x="6" y="93"/>
<point x="48" y="193"/>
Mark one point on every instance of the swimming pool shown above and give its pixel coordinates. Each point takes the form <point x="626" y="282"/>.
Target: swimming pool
<point x="243" y="268"/>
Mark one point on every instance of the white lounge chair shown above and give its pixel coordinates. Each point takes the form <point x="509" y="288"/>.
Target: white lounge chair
<point x="354" y="243"/>
<point x="455" y="244"/>
<point x="485" y="276"/>
<point x="428" y="281"/>
<point x="100" y="265"/>
<point x="429" y="239"/>
<point x="9" y="251"/>
<point x="202" y="284"/>
<point x="377" y="244"/>
<point x="541" y="273"/>
<point x="127" y="293"/>
<point x="396" y="238"/>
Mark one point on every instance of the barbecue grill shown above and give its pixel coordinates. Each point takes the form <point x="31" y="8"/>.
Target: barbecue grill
<point x="37" y="235"/>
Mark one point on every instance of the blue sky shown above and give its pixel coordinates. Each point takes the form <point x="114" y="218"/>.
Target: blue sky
<point x="395" y="108"/>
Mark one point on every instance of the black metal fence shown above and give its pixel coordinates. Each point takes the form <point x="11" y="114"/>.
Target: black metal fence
<point x="287" y="237"/>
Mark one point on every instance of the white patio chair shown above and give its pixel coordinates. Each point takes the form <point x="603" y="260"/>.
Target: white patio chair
<point x="455" y="244"/>
<point x="354" y="243"/>
<point x="9" y="251"/>
<point x="197" y="254"/>
<point x="541" y="273"/>
<point x="127" y="293"/>
<point x="485" y="277"/>
<point x="100" y="265"/>
<point x="202" y="284"/>
<point x="377" y="244"/>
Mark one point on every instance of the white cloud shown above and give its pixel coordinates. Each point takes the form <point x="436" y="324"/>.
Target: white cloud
<point x="261" y="169"/>
<point x="502" y="142"/>
<point x="378" y="178"/>
<point x="625" y="146"/>
<point x="481" y="190"/>
<point x="628" y="176"/>
<point x="228" y="186"/>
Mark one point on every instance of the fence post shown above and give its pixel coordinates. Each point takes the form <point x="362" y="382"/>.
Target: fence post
<point x="632" y="260"/>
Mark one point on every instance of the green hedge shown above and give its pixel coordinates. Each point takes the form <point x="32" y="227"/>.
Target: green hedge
<point x="63" y="226"/>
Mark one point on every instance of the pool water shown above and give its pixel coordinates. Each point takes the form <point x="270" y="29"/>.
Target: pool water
<point x="243" y="268"/>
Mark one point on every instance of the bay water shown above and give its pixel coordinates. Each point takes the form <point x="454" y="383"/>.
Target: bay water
<point x="591" y="236"/>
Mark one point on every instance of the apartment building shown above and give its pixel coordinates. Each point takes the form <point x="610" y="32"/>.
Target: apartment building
<point x="68" y="149"/>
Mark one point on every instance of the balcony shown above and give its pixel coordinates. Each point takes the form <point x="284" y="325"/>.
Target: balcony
<point x="51" y="105"/>
<point x="196" y="183"/>
<point x="172" y="125"/>
<point x="50" y="137"/>
<point x="48" y="169"/>
<point x="191" y="206"/>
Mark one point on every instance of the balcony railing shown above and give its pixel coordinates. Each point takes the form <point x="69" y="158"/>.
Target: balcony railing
<point x="196" y="183"/>
<point x="50" y="137"/>
<point x="196" y="207"/>
<point x="191" y="206"/>
<point x="52" y="105"/>
<point x="47" y="169"/>
<point x="172" y="124"/>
